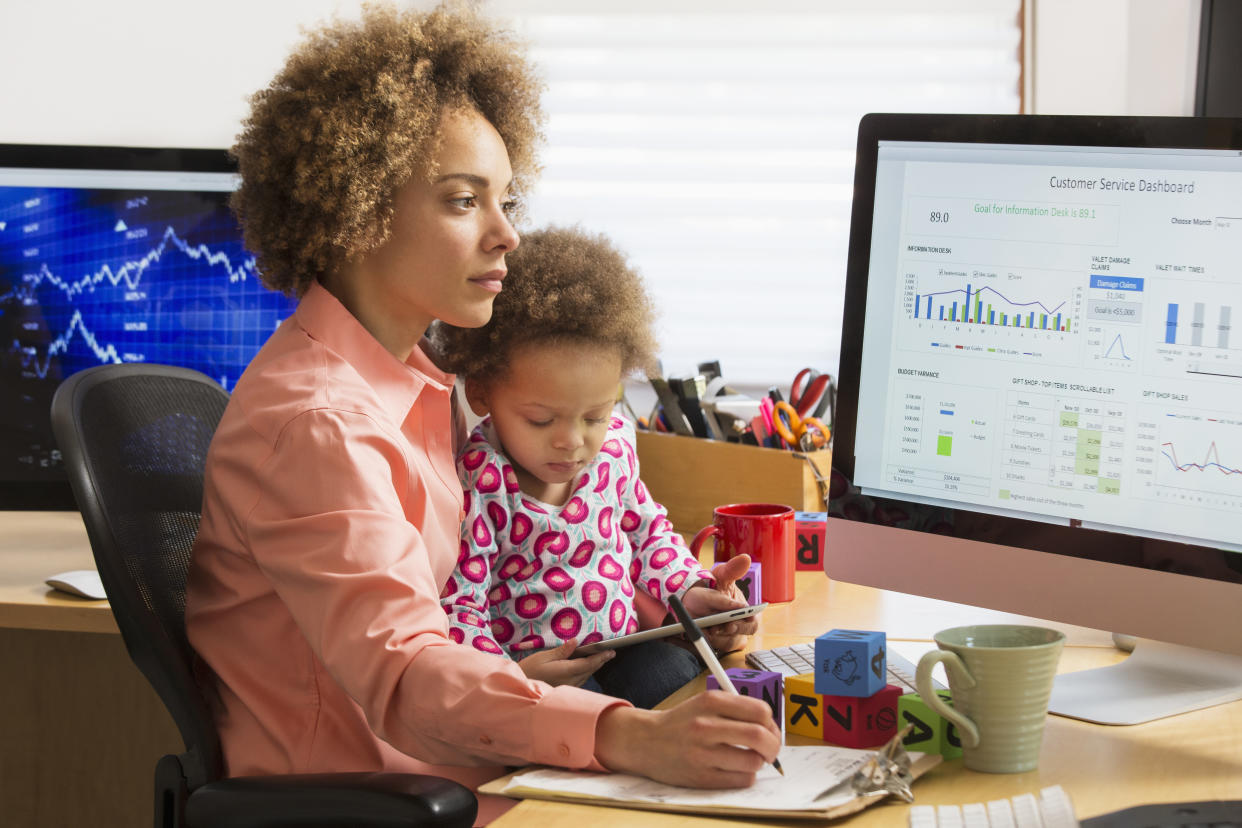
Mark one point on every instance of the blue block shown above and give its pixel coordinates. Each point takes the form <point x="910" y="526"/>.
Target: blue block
<point x="850" y="663"/>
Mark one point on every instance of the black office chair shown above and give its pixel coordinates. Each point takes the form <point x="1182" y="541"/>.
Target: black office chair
<point x="135" y="439"/>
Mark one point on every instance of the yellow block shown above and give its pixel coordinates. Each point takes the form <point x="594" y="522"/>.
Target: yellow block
<point x="804" y="708"/>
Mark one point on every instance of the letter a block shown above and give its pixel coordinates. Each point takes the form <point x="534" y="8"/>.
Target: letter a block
<point x="810" y="529"/>
<point x="804" y="708"/>
<point x="751" y="584"/>
<point x="861" y="723"/>
<point x="931" y="733"/>
<point x="760" y="684"/>
<point x="850" y="663"/>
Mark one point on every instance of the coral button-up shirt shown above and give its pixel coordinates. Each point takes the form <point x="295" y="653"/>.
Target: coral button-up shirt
<point x="330" y="523"/>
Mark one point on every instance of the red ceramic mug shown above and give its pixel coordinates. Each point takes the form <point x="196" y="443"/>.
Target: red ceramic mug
<point x="766" y="532"/>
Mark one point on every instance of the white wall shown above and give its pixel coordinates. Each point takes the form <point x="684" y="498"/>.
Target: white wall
<point x="167" y="72"/>
<point x="142" y="72"/>
<point x="1113" y="57"/>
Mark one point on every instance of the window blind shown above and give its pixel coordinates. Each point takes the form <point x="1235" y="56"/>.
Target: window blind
<point x="713" y="141"/>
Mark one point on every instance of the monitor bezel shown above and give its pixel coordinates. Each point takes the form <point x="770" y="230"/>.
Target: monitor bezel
<point x="56" y="495"/>
<point x="1051" y="130"/>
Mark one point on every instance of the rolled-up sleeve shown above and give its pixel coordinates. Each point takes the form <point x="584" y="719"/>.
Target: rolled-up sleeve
<point x="335" y="528"/>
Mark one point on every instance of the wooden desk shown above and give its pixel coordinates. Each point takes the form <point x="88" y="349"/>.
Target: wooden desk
<point x="80" y="728"/>
<point x="1191" y="757"/>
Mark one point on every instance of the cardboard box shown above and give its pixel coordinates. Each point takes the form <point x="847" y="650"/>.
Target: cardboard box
<point x="692" y="476"/>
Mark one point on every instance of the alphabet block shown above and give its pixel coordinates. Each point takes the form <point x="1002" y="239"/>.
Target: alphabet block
<point x="931" y="733"/>
<point x="856" y="722"/>
<point x="811" y="529"/>
<point x="850" y="663"/>
<point x="804" y="708"/>
<point x="760" y="684"/>
<point x="751" y="584"/>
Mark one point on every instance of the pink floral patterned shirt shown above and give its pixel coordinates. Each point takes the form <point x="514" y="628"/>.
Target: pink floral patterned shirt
<point x="530" y="576"/>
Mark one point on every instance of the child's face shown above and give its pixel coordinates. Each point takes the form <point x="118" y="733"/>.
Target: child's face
<point x="551" y="412"/>
<point x="445" y="256"/>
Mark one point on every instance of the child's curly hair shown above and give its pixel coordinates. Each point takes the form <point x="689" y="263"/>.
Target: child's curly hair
<point x="564" y="286"/>
<point x="353" y="115"/>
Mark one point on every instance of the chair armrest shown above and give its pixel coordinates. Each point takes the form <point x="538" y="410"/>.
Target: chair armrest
<point x="329" y="800"/>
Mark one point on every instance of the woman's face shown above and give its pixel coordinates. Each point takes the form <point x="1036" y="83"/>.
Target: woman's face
<point x="445" y="256"/>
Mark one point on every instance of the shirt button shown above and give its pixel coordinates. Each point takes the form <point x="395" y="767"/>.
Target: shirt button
<point x="564" y="749"/>
<point x="487" y="740"/>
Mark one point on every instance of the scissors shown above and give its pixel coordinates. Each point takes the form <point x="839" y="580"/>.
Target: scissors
<point x="811" y="392"/>
<point x="804" y="433"/>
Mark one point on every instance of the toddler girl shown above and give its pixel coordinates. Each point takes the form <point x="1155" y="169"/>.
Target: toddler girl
<point x="559" y="531"/>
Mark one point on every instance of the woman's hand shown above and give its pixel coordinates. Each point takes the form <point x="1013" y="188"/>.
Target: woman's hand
<point x="556" y="667"/>
<point x="703" y="600"/>
<point x="713" y="740"/>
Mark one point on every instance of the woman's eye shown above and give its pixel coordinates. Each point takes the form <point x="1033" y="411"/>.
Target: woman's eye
<point x="540" y="423"/>
<point x="597" y="420"/>
<point x="464" y="202"/>
<point x="509" y="207"/>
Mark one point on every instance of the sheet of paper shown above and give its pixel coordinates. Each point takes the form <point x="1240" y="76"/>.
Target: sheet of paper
<point x="810" y="770"/>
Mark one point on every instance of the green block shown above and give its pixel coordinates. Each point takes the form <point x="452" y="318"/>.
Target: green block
<point x="931" y="733"/>
<point x="944" y="445"/>
<point x="927" y="734"/>
<point x="951" y="745"/>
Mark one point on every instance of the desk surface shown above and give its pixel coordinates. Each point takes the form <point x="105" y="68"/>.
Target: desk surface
<point x="1195" y="756"/>
<point x="1189" y="757"/>
<point x="34" y="546"/>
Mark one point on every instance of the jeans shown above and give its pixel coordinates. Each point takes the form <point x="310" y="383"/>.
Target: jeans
<point x="645" y="674"/>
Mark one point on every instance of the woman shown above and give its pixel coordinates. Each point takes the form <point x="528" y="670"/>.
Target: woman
<point x="379" y="172"/>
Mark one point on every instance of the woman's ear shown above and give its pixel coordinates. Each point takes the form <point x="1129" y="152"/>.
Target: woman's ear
<point x="476" y="397"/>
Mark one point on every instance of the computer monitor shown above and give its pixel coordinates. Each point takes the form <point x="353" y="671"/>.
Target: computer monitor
<point x="1040" y="398"/>
<point x="114" y="254"/>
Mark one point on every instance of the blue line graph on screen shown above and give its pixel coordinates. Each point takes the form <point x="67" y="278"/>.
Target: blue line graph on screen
<point x="95" y="276"/>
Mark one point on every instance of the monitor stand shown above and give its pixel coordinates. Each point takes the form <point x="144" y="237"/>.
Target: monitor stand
<point x="1155" y="681"/>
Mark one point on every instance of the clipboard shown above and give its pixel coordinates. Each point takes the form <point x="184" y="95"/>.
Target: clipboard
<point x="817" y="786"/>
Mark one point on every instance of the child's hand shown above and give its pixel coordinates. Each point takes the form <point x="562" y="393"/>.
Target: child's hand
<point x="556" y="667"/>
<point x="703" y="600"/>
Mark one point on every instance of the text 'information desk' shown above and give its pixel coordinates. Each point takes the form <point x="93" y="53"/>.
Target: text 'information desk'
<point x="81" y="730"/>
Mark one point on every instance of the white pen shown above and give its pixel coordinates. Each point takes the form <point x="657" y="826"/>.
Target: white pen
<point x="695" y="636"/>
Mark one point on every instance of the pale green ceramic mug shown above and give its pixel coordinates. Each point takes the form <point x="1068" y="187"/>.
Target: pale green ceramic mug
<point x="1000" y="676"/>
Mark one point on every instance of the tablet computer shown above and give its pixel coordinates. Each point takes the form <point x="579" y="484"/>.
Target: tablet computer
<point x="667" y="630"/>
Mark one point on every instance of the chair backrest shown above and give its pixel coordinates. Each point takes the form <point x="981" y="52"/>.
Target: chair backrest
<point x="134" y="439"/>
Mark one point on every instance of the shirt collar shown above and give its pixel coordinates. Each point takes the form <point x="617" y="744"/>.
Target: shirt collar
<point x="396" y="383"/>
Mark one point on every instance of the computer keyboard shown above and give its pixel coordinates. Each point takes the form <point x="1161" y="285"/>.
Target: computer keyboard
<point x="1050" y="809"/>
<point x="800" y="658"/>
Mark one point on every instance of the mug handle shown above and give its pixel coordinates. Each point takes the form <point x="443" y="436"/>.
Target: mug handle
<point x="701" y="537"/>
<point x="923" y="681"/>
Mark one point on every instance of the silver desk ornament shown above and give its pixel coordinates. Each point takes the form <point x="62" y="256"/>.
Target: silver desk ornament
<point x="887" y="771"/>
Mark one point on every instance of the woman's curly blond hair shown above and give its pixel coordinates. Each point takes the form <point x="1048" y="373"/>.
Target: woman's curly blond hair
<point x="353" y="115"/>
<point x="565" y="286"/>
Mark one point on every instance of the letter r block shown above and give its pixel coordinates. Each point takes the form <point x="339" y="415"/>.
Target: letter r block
<point x="811" y="529"/>
<point x="804" y="708"/>
<point x="850" y="663"/>
<point x="760" y="684"/>
<point x="856" y="722"/>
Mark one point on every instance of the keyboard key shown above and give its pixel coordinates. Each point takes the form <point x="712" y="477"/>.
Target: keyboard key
<point x="1000" y="814"/>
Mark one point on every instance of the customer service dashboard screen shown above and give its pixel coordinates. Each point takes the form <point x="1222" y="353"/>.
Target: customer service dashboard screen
<point x="1049" y="335"/>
